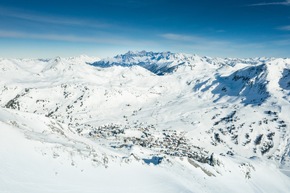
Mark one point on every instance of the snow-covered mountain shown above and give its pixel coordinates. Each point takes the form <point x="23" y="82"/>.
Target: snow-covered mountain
<point x="158" y="63"/>
<point x="170" y="122"/>
<point x="162" y="63"/>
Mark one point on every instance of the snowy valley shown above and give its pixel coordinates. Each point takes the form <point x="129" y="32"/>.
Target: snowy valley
<point x="145" y="122"/>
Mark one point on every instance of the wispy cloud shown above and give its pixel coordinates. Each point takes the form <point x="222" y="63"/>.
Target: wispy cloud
<point x="73" y="38"/>
<point x="283" y="42"/>
<point x="190" y="39"/>
<point x="214" y="46"/>
<point x="39" y="18"/>
<point x="284" y="28"/>
<point x="286" y="2"/>
<point x="58" y="37"/>
<point x="181" y="37"/>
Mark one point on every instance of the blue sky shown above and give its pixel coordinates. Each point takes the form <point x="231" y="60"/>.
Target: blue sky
<point x="229" y="28"/>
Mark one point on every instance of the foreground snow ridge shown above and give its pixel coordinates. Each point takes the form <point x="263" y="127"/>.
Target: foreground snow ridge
<point x="144" y="122"/>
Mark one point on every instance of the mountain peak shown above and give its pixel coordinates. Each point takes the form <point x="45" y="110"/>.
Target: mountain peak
<point x="145" y="53"/>
<point x="159" y="63"/>
<point x="206" y="117"/>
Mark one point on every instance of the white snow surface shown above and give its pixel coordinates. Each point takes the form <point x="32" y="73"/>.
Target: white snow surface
<point x="144" y="122"/>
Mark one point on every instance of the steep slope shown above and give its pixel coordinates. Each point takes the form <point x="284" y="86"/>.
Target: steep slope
<point x="218" y="119"/>
<point x="41" y="155"/>
<point x="249" y="84"/>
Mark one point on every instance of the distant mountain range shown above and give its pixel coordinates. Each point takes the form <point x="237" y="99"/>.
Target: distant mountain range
<point x="200" y="124"/>
<point x="161" y="63"/>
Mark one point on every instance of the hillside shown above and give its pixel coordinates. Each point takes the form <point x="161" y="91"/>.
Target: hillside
<point x="167" y="121"/>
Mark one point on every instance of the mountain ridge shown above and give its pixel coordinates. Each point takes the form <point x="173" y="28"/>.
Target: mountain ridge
<point x="217" y="118"/>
